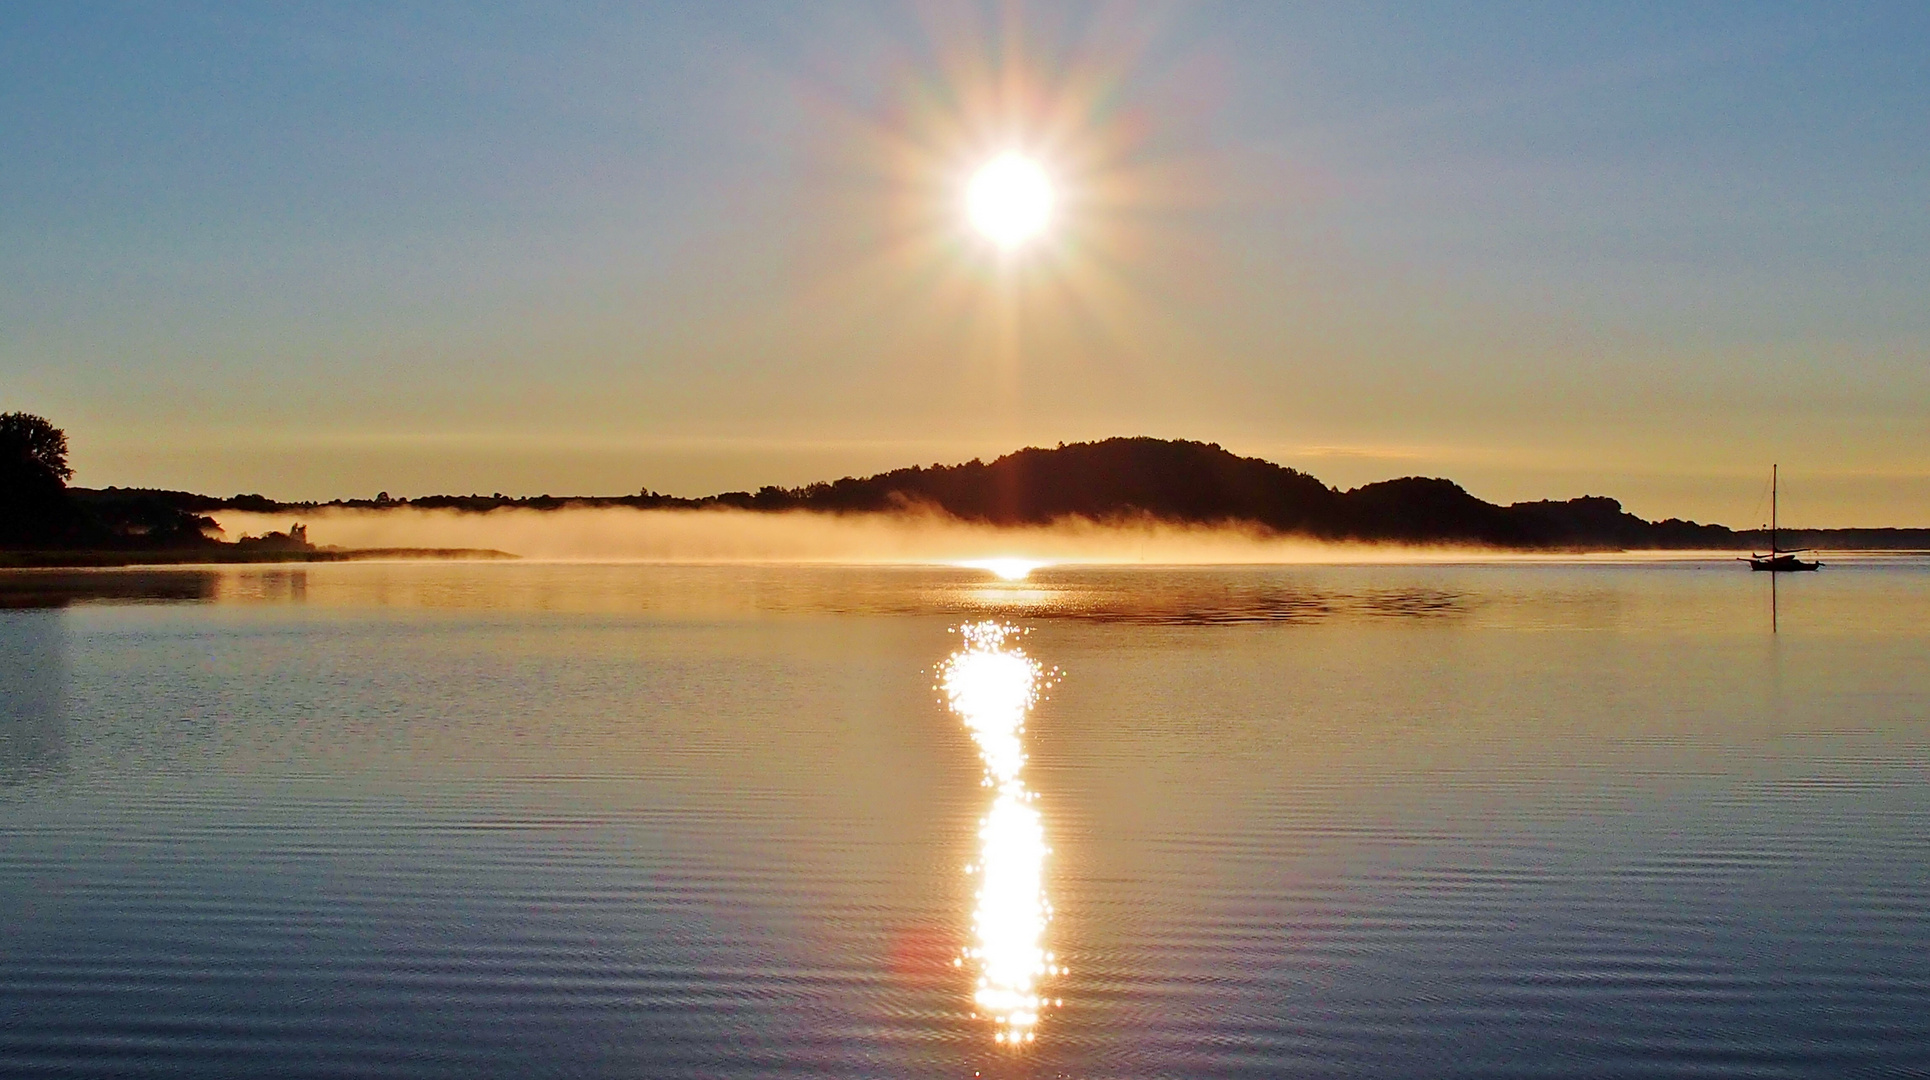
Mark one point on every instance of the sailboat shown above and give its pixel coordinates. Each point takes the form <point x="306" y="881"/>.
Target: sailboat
<point x="1778" y="560"/>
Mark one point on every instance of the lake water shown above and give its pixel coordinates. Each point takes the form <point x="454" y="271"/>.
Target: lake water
<point x="442" y="820"/>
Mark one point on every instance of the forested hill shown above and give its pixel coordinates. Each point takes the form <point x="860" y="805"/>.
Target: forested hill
<point x="1175" y="481"/>
<point x="1202" y="483"/>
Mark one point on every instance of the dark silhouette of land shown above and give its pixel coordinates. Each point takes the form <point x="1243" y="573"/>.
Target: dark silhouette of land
<point x="43" y="522"/>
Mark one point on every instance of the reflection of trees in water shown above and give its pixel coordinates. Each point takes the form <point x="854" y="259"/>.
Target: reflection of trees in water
<point x="58" y="588"/>
<point x="33" y="686"/>
<point x="278" y="584"/>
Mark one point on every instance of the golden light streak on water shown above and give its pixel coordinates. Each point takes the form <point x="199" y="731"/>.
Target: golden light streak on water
<point x="992" y="684"/>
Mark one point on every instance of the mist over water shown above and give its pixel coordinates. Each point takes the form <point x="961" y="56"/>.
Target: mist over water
<point x="729" y="535"/>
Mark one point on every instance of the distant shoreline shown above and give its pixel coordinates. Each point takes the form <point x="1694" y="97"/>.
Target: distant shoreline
<point x="28" y="561"/>
<point x="83" y="560"/>
<point x="1139" y="479"/>
<point x="1130" y="483"/>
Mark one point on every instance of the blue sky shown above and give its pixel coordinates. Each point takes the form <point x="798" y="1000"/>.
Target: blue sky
<point x="1639" y="250"/>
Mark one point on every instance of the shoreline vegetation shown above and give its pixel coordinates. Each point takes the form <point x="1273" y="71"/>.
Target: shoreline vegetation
<point x="1124" y="481"/>
<point x="229" y="554"/>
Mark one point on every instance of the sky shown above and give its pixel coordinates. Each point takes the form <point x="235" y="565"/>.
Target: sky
<point x="1546" y="250"/>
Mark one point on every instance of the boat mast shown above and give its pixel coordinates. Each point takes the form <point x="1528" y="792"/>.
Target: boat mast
<point x="1772" y="510"/>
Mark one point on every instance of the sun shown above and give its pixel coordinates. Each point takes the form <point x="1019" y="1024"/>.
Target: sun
<point x="1009" y="200"/>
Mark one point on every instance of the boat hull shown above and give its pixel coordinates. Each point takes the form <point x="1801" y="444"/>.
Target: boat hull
<point x="1782" y="564"/>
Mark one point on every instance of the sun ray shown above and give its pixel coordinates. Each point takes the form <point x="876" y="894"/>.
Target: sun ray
<point x="1075" y="284"/>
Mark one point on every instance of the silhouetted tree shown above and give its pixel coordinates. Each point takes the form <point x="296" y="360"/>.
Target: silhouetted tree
<point x="34" y="506"/>
<point x="29" y="442"/>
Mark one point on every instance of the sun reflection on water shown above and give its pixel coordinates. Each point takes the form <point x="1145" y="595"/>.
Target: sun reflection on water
<point x="1006" y="568"/>
<point x="992" y="684"/>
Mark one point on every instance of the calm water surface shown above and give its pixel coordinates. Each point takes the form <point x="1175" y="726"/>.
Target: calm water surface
<point x="585" y="821"/>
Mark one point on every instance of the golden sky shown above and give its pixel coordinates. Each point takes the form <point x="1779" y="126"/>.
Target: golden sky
<point x="1545" y="252"/>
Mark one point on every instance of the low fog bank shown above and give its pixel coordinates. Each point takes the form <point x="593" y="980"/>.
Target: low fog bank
<point x="726" y="535"/>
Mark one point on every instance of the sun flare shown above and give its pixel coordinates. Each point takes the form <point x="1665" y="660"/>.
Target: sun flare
<point x="1009" y="200"/>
